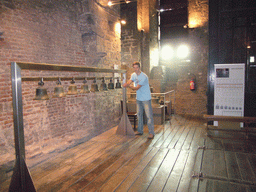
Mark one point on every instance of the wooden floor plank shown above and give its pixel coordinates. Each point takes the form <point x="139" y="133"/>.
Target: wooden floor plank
<point x="199" y="137"/>
<point x="102" y="178"/>
<point x="183" y="137"/>
<point x="49" y="177"/>
<point x="213" y="143"/>
<point x="223" y="186"/>
<point x="73" y="167"/>
<point x="186" y="177"/>
<point x="252" y="161"/>
<point x="164" y="171"/>
<point x="239" y="146"/>
<point x="170" y="137"/>
<point x="187" y="144"/>
<point x="194" y="182"/>
<point x="208" y="162"/>
<point x="227" y="145"/>
<point x="232" y="166"/>
<point x="246" y="171"/>
<point x="220" y="168"/>
<point x="126" y="169"/>
<point x="136" y="171"/>
<point x="176" y="137"/>
<point x="167" y="131"/>
<point x="174" y="179"/>
<point x="147" y="175"/>
<point x="92" y="174"/>
<point x="206" y="185"/>
<point x="250" y="188"/>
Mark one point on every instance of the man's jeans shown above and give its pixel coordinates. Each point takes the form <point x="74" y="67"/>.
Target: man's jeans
<point x="141" y="106"/>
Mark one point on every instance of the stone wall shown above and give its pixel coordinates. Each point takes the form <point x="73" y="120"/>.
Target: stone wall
<point x="178" y="77"/>
<point x="79" y="33"/>
<point x="139" y="36"/>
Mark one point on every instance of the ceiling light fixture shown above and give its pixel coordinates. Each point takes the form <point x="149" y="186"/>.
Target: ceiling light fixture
<point x="118" y="2"/>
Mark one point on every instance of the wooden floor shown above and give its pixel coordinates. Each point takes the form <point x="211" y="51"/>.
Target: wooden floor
<point x="180" y="158"/>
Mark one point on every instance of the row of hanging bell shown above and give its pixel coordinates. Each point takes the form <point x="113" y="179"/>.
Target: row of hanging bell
<point x="41" y="92"/>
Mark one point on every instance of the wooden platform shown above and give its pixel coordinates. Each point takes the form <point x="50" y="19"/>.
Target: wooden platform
<point x="180" y="158"/>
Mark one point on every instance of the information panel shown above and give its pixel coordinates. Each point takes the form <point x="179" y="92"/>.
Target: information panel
<point x="229" y="87"/>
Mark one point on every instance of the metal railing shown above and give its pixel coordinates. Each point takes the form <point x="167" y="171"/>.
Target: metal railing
<point x="168" y="96"/>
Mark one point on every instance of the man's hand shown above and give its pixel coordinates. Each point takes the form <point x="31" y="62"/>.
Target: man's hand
<point x="127" y="84"/>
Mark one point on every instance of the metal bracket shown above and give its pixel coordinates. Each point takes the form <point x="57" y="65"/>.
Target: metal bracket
<point x="197" y="175"/>
<point x="202" y="147"/>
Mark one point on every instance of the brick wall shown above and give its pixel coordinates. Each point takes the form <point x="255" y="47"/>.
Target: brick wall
<point x="80" y="33"/>
<point x="187" y="101"/>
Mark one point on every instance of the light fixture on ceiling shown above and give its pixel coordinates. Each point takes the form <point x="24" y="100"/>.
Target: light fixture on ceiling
<point x="118" y="2"/>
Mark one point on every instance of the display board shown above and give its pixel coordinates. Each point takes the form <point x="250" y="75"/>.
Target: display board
<point x="229" y="88"/>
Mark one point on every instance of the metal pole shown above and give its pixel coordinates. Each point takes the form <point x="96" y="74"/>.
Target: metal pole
<point x="124" y="103"/>
<point x="164" y="108"/>
<point x="21" y="179"/>
<point x="125" y="127"/>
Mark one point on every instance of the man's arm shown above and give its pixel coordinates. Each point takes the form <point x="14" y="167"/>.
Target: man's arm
<point x="135" y="88"/>
<point x="127" y="84"/>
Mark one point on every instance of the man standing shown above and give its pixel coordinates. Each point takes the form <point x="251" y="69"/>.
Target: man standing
<point x="143" y="99"/>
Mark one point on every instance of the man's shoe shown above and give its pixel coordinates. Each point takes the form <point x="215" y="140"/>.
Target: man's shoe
<point x="138" y="133"/>
<point x="151" y="136"/>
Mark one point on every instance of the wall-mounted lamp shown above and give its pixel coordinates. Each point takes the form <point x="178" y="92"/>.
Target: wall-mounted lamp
<point x="123" y="22"/>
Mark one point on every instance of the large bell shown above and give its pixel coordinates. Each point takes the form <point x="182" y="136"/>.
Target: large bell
<point x="111" y="84"/>
<point x="103" y="86"/>
<point x="41" y="93"/>
<point x="72" y="89"/>
<point x="118" y="84"/>
<point x="85" y="87"/>
<point x="59" y="90"/>
<point x="94" y="86"/>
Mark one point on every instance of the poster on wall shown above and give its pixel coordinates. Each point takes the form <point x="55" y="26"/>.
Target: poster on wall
<point x="229" y="86"/>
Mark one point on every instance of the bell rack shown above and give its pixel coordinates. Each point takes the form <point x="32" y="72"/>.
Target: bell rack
<point x="64" y="78"/>
<point x="21" y="180"/>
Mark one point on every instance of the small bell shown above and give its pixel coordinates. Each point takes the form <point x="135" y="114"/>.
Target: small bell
<point x="94" y="86"/>
<point x="72" y="89"/>
<point x="59" y="90"/>
<point x="41" y="93"/>
<point x="85" y="87"/>
<point x="111" y="84"/>
<point x="103" y="86"/>
<point x="118" y="84"/>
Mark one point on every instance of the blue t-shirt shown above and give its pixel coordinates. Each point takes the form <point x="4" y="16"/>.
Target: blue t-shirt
<point x="143" y="93"/>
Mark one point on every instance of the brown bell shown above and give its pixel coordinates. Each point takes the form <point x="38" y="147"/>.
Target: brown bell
<point x="72" y="89"/>
<point x="118" y="84"/>
<point x="41" y="93"/>
<point x="94" y="87"/>
<point x="103" y="86"/>
<point x="59" y="90"/>
<point x="111" y="85"/>
<point x="85" y="87"/>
